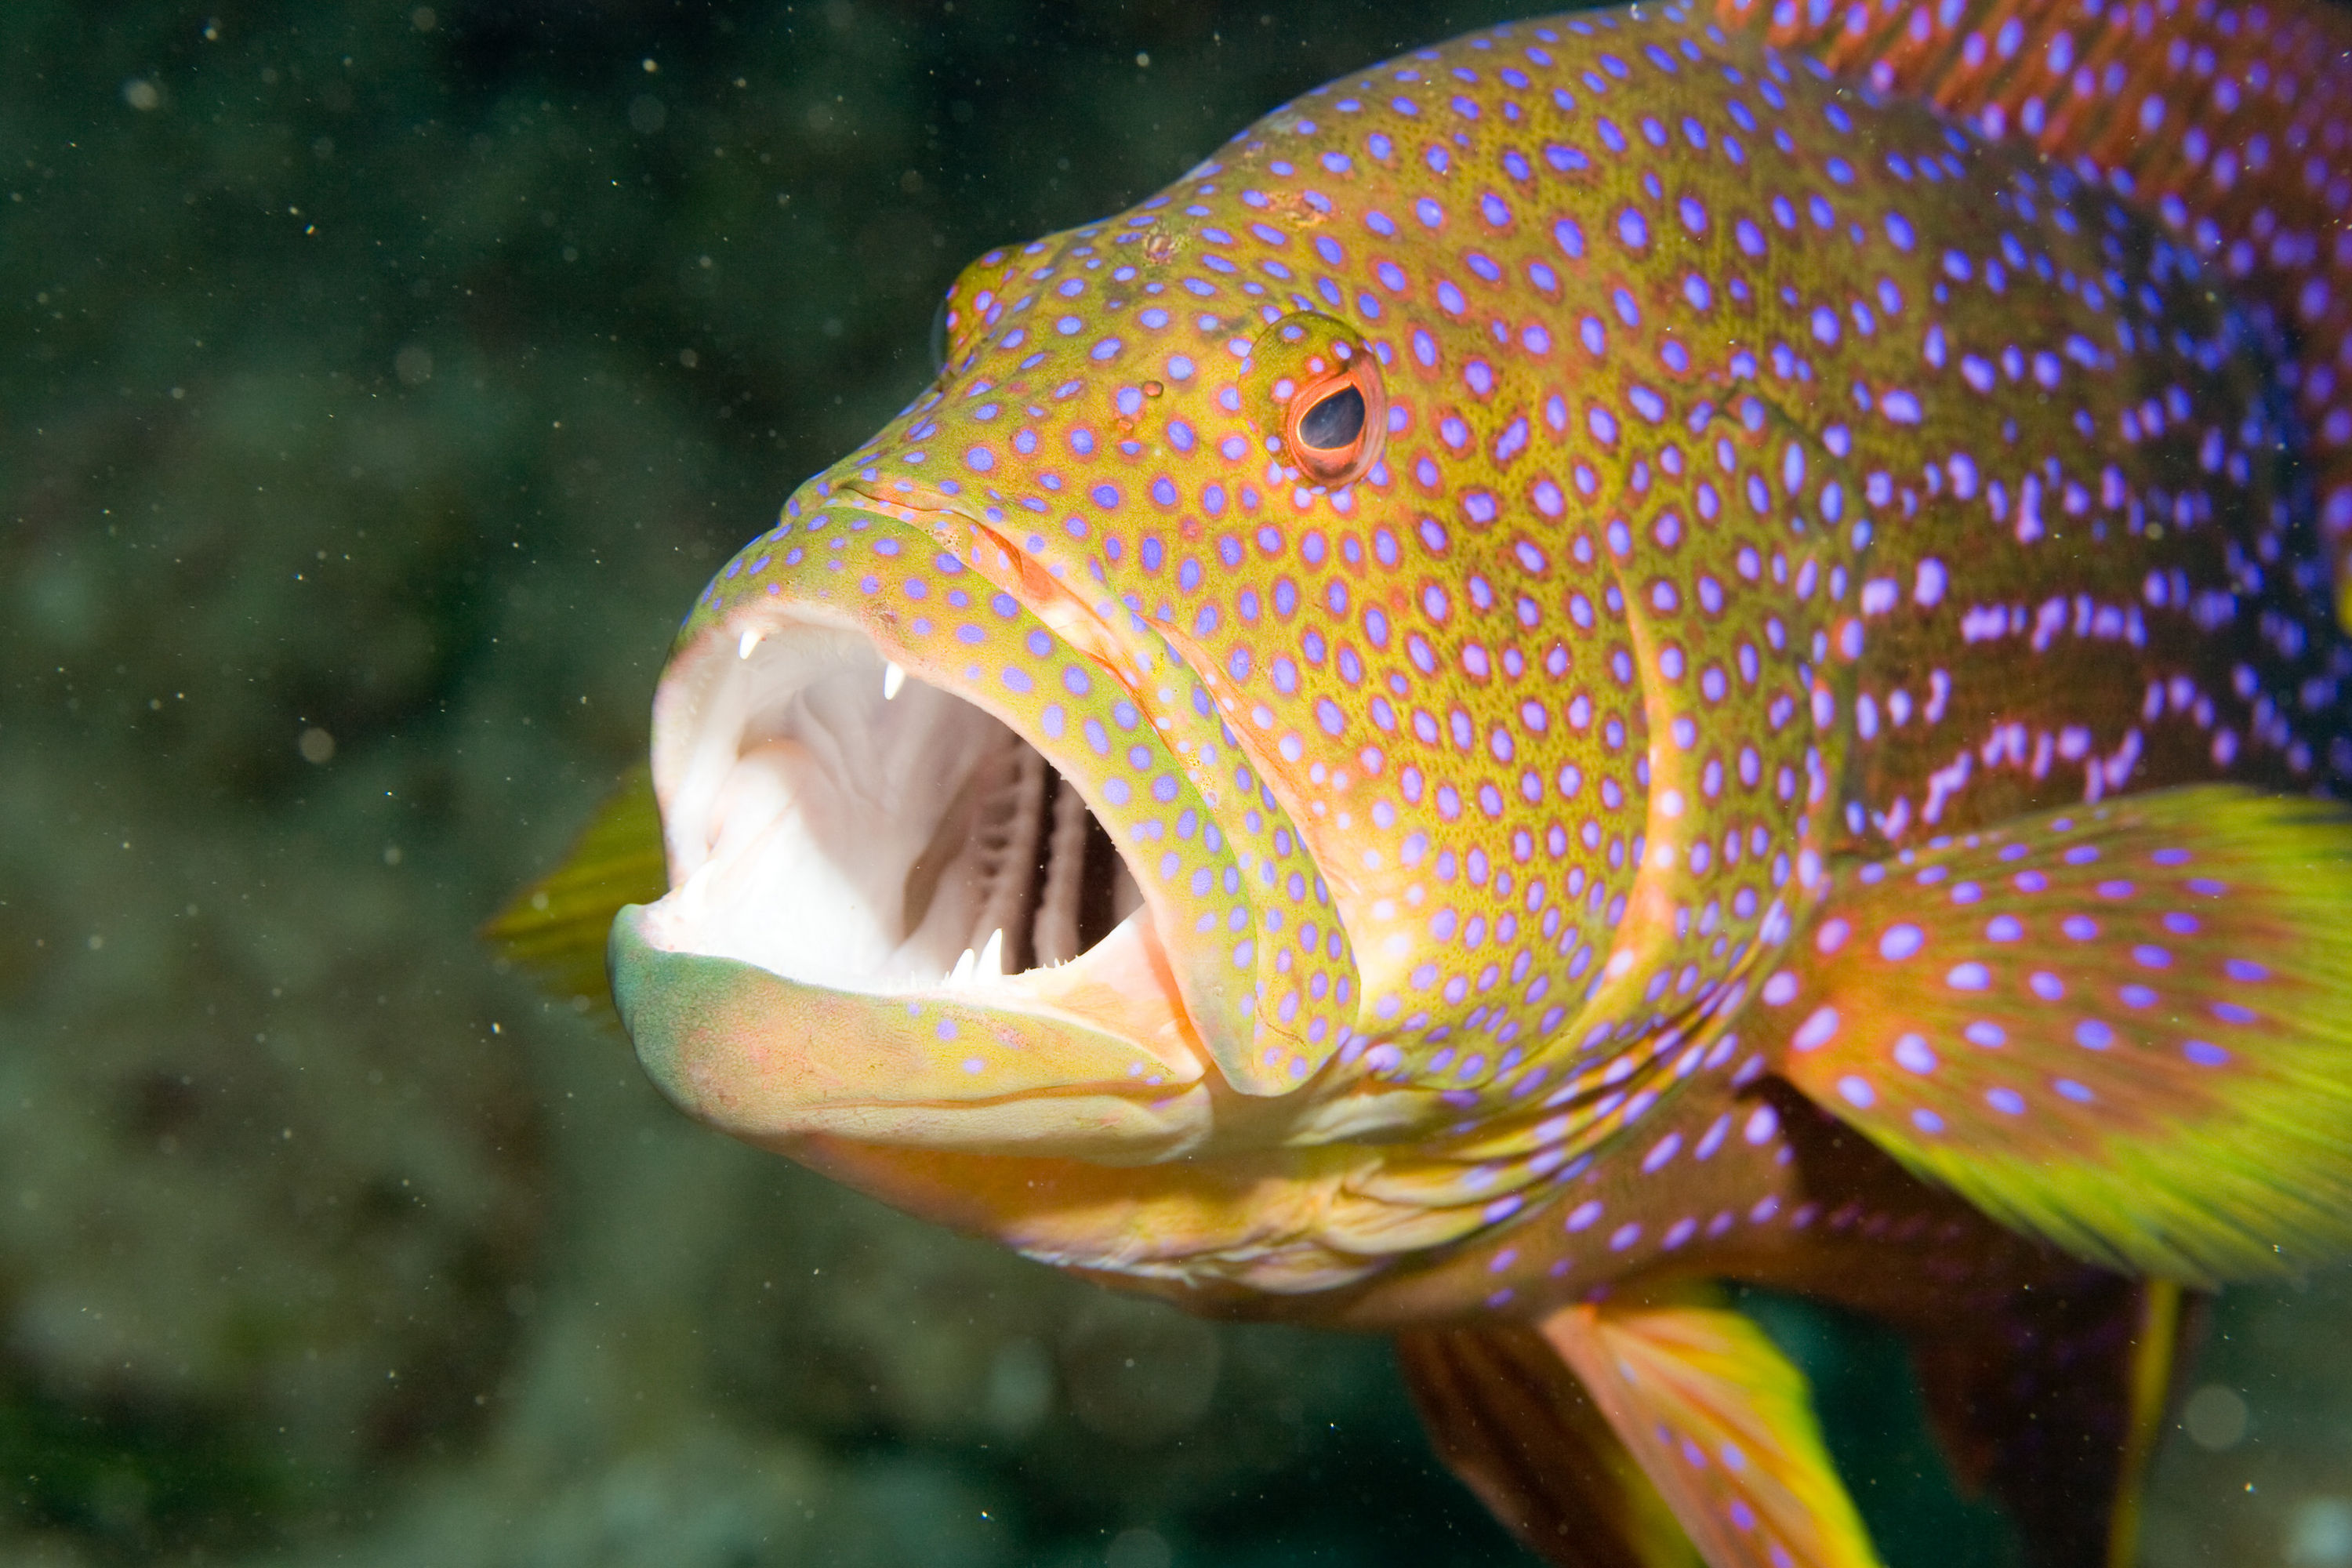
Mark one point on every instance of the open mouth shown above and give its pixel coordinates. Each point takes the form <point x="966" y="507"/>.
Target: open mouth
<point x="837" y="821"/>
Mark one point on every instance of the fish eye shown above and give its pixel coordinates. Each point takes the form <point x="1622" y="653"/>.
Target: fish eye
<point x="1335" y="422"/>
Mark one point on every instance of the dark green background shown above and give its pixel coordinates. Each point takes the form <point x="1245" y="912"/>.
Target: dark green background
<point x="377" y="384"/>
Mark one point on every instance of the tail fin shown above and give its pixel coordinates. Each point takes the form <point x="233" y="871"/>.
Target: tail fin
<point x="2230" y="123"/>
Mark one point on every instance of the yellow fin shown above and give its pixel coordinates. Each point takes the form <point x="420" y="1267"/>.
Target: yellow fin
<point x="2118" y="1028"/>
<point x="2158" y="1353"/>
<point x="1511" y="1420"/>
<point x="1723" y="1426"/>
<point x="556" y="927"/>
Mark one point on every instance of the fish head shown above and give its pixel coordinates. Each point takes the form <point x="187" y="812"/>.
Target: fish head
<point x="981" y="817"/>
<point x="1206" y="721"/>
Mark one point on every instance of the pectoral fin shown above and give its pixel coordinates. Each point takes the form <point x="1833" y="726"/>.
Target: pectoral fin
<point x="556" y="927"/>
<point x="2120" y="1028"/>
<point x="1514" y="1424"/>
<point x="1722" y="1424"/>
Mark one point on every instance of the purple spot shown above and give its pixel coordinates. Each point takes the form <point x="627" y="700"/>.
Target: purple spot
<point x="1968" y="976"/>
<point x="2093" y="1036"/>
<point x="2204" y="1053"/>
<point x="1913" y="1054"/>
<point x="1817" y="1031"/>
<point x="2008" y="1101"/>
<point x="2245" y="969"/>
<point x="2151" y="957"/>
<point x="2230" y="1012"/>
<point x="2004" y="928"/>
<point x="1900" y="942"/>
<point x="1985" y="1033"/>
<point x="2082" y="927"/>
<point x="1927" y="1121"/>
<point x="1856" y="1092"/>
<point x="2046" y="985"/>
<point x="2073" y="1091"/>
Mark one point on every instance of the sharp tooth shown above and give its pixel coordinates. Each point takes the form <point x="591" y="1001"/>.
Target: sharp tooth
<point x="893" y="677"/>
<point x="750" y="640"/>
<point x="992" y="957"/>
<point x="963" y="968"/>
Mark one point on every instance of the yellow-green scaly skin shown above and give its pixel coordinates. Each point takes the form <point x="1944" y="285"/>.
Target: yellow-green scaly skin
<point x="1773" y="476"/>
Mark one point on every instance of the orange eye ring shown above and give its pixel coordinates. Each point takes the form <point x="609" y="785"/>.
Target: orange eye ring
<point x="1336" y="424"/>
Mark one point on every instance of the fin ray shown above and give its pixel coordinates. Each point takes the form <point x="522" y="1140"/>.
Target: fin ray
<point x="2117" y="1028"/>
<point x="1517" y="1426"/>
<point x="1723" y="1426"/>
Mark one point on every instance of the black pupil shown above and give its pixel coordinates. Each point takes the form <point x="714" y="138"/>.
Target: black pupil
<point x="1335" y="422"/>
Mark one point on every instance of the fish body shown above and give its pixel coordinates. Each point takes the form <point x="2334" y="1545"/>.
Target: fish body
<point x="1638" y="651"/>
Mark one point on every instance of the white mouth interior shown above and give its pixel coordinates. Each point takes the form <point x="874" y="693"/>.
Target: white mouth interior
<point x="840" y="824"/>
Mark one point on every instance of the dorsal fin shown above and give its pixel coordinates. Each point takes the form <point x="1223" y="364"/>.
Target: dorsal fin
<point x="2229" y="124"/>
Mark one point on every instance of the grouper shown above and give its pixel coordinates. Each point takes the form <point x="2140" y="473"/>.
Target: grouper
<point x="1644" y="656"/>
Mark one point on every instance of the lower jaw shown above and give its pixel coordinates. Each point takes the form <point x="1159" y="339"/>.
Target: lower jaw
<point x="1093" y="1068"/>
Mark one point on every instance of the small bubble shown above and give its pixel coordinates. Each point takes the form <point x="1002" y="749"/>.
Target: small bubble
<point x="141" y="94"/>
<point x="424" y="19"/>
<point x="2215" y="1418"/>
<point x="413" y="365"/>
<point x="1142" y="59"/>
<point x="647" y="114"/>
<point x="316" y="745"/>
<point x="689" y="358"/>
